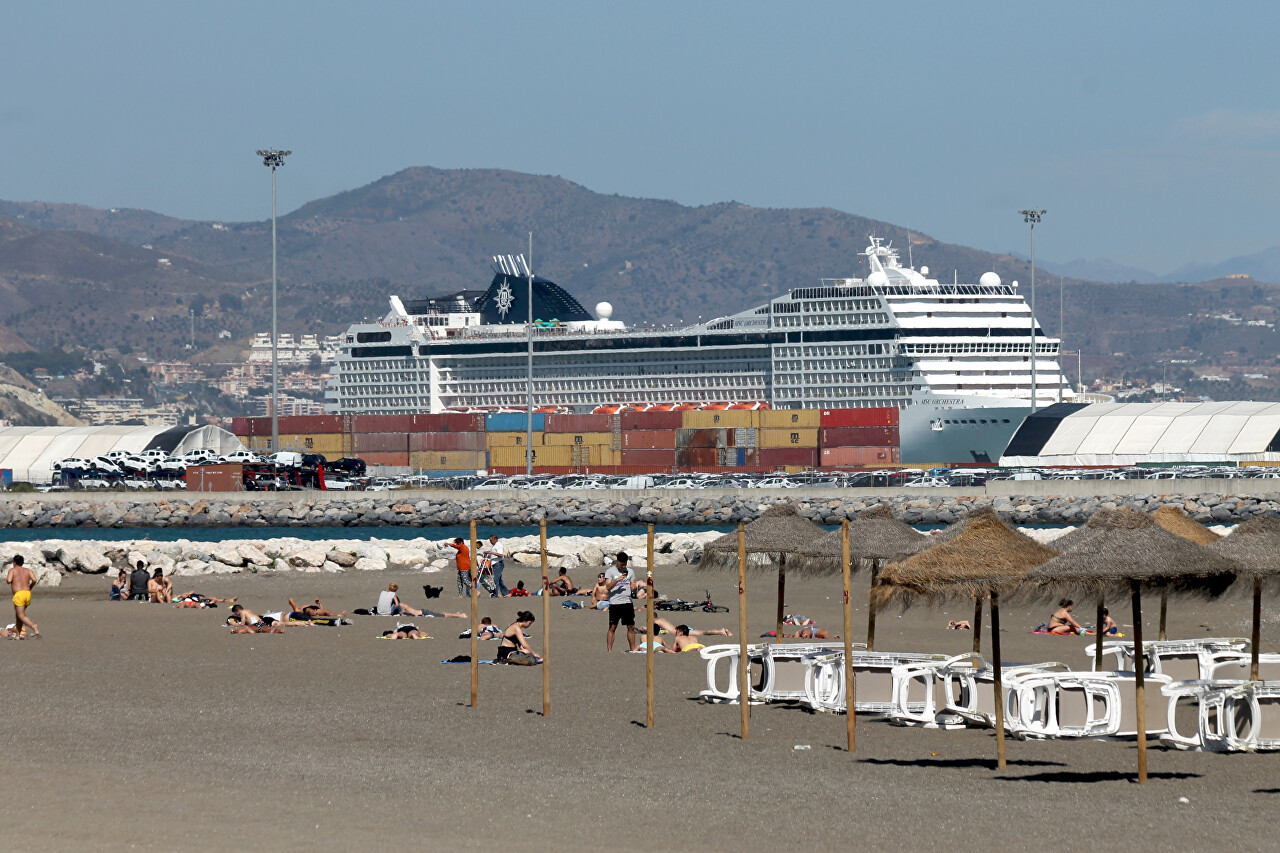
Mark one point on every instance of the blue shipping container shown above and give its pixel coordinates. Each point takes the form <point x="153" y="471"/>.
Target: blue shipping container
<point x="6" y="477"/>
<point x="513" y="422"/>
<point x="742" y="451"/>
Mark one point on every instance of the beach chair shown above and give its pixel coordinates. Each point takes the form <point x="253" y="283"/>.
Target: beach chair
<point x="726" y="654"/>
<point x="1210" y="699"/>
<point x="825" y="682"/>
<point x="385" y="604"/>
<point x="780" y="668"/>
<point x="1181" y="660"/>
<point x="919" y="696"/>
<point x="1069" y="704"/>
<point x="1235" y="666"/>
<point x="968" y="684"/>
<point x="1253" y="717"/>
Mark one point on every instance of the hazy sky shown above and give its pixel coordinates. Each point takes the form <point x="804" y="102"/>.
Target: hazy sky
<point x="1150" y="131"/>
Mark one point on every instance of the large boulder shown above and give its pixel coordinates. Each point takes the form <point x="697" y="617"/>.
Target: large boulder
<point x="252" y="555"/>
<point x="228" y="554"/>
<point x="406" y="558"/>
<point x="369" y="564"/>
<point x="341" y="558"/>
<point x="47" y="576"/>
<point x="591" y="556"/>
<point x="307" y="559"/>
<point x="185" y="568"/>
<point x="83" y="559"/>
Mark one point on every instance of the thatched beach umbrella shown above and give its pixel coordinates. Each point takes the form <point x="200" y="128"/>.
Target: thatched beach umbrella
<point x="1068" y="542"/>
<point x="1127" y="551"/>
<point x="874" y="537"/>
<point x="780" y="532"/>
<point x="1177" y="522"/>
<point x="981" y="557"/>
<point x="1255" y="544"/>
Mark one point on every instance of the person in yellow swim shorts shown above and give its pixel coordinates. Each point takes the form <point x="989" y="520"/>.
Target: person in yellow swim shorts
<point x="21" y="580"/>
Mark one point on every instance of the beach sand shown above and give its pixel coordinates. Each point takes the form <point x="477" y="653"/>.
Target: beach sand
<point x="136" y="726"/>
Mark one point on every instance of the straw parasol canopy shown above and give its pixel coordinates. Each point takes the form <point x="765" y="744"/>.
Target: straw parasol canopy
<point x="874" y="535"/>
<point x="1255" y="544"/>
<point x="1177" y="522"/>
<point x="1129" y="545"/>
<point x="780" y="530"/>
<point x="980" y="554"/>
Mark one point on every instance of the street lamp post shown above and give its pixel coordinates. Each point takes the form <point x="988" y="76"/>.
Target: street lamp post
<point x="273" y="158"/>
<point x="528" y="417"/>
<point x="1033" y="217"/>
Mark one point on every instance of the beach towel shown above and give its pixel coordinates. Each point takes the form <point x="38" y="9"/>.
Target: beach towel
<point x="463" y="659"/>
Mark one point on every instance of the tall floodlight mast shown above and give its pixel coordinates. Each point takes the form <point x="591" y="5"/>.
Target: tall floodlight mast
<point x="1033" y="218"/>
<point x="273" y="158"/>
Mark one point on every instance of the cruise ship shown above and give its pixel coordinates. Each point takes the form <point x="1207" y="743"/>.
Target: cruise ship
<point x="896" y="338"/>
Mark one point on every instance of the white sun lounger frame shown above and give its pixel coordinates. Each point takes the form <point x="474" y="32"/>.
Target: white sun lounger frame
<point x="825" y="679"/>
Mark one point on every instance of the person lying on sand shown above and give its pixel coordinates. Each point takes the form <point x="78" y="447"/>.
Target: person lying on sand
<point x="315" y="611"/>
<point x="962" y="625"/>
<point x="196" y="600"/>
<point x="684" y="641"/>
<point x="1061" y="621"/>
<point x="809" y="632"/>
<point x="488" y="630"/>
<point x="245" y="621"/>
<point x="405" y="632"/>
<point x="661" y="623"/>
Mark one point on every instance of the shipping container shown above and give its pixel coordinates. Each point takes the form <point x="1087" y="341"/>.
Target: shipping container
<point x="649" y="439"/>
<point x="598" y="439"/>
<point x="380" y="442"/>
<point x="448" y="441"/>
<point x="381" y="423"/>
<point x="240" y="426"/>
<point x="557" y="455"/>
<point x="699" y="438"/>
<point x="859" y="417"/>
<point x="510" y="439"/>
<point x="310" y="424"/>
<point x="579" y="423"/>
<point x="859" y="437"/>
<point x="651" y="420"/>
<point x="655" y="460"/>
<point x="798" y="437"/>
<point x="398" y="459"/>
<point x="513" y="422"/>
<point x="215" y="478"/>
<point x="448" y="422"/>
<point x="779" y="456"/>
<point x="697" y="457"/>
<point x="790" y="418"/>
<point x="331" y="445"/>
<point x="705" y="419"/>
<point x="832" y="457"/>
<point x="448" y="460"/>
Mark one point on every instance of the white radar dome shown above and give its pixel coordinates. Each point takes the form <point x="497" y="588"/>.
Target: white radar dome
<point x="989" y="279"/>
<point x="924" y="270"/>
<point x="604" y="310"/>
<point x="878" y="279"/>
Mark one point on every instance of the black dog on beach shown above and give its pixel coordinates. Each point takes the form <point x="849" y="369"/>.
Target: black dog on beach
<point x="433" y="591"/>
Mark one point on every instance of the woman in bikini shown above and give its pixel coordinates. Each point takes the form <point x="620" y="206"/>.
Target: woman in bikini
<point x="513" y="638"/>
<point x="1061" y="622"/>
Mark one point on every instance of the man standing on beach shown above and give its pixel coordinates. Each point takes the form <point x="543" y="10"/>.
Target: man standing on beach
<point x="463" y="563"/>
<point x="21" y="579"/>
<point x="497" y="562"/>
<point x="618" y="580"/>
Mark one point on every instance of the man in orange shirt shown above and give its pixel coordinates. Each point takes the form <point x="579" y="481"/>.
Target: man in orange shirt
<point x="464" y="566"/>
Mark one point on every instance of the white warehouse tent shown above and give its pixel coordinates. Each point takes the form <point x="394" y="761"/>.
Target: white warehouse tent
<point x="31" y="451"/>
<point x="1118" y="434"/>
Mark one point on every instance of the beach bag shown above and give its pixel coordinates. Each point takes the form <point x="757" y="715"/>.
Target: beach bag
<point x="521" y="659"/>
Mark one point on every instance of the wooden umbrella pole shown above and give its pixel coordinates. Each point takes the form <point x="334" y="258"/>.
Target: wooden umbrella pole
<point x="546" y="620"/>
<point x="649" y="636"/>
<point x="999" y="687"/>
<point x="1098" y="633"/>
<point x="475" y="623"/>
<point x="1257" y="629"/>
<point x="871" y="608"/>
<point x="977" y="625"/>
<point x="782" y="591"/>
<point x="1164" y="612"/>
<point x="744" y="669"/>
<point x="850" y="682"/>
<point x="1139" y="689"/>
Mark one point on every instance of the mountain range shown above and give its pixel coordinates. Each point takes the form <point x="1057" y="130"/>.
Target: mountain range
<point x="135" y="280"/>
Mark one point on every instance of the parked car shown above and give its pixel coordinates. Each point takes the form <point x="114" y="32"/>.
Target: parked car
<point x="240" y="457"/>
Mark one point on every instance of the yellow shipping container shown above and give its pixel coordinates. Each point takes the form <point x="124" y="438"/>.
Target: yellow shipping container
<point x="449" y="460"/>
<point x="791" y="418"/>
<point x="514" y="457"/>
<point x="510" y="439"/>
<point x="716" y="419"/>
<point x="590" y="454"/>
<point x="327" y="444"/>
<point x="598" y="439"/>
<point x="787" y="437"/>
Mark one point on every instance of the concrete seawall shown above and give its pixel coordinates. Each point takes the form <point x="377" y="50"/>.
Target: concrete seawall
<point x="1022" y="502"/>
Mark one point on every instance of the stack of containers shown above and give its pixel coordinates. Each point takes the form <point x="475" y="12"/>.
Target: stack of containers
<point x="381" y="440"/>
<point x="506" y="438"/>
<point x="788" y="438"/>
<point x="647" y="440"/>
<point x="579" y="441"/>
<point x="856" y="438"/>
<point x="303" y="433"/>
<point x="719" y="438"/>
<point x="447" y="443"/>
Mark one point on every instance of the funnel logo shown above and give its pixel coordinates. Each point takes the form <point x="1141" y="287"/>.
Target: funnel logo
<point x="504" y="299"/>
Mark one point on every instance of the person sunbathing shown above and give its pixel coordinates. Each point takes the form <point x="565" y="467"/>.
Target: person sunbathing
<point x="513" y="639"/>
<point x="661" y="624"/>
<point x="488" y="631"/>
<point x="961" y="625"/>
<point x="599" y="593"/>
<point x="518" y="591"/>
<point x="314" y="611"/>
<point x="684" y="641"/>
<point x="245" y="621"/>
<point x="1109" y="625"/>
<point x="159" y="588"/>
<point x="562" y="585"/>
<point x="405" y="632"/>
<point x="1061" y="622"/>
<point x="193" y="599"/>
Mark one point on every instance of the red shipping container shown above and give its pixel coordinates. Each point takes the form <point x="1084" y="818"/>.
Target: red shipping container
<point x="776" y="456"/>
<point x="656" y="460"/>
<point x="448" y="422"/>
<point x="649" y="439"/>
<point x="698" y="438"/>
<point x="859" y="417"/>
<point x="308" y="425"/>
<point x="240" y="426"/>
<point x="382" y="423"/>
<point x="399" y="460"/>
<point x="858" y="436"/>
<point x="579" y="423"/>
<point x="652" y="420"/>
<point x="859" y="456"/>
<point x="697" y="457"/>
<point x="446" y="441"/>
<point x="381" y="442"/>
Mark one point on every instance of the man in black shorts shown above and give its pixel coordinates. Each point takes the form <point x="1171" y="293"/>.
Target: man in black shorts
<point x="618" y="581"/>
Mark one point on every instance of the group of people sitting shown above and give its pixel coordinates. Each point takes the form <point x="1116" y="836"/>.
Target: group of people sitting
<point x="1062" y="622"/>
<point x="141" y="585"/>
